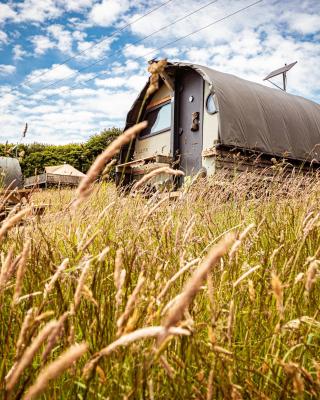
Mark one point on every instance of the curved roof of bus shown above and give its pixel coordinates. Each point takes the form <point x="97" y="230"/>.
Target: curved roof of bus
<point x="256" y="117"/>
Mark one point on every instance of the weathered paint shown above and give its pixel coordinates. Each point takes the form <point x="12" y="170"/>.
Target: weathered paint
<point x="157" y="144"/>
<point x="210" y="135"/>
<point x="189" y="95"/>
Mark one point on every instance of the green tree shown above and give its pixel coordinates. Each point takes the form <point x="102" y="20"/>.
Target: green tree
<point x="34" y="157"/>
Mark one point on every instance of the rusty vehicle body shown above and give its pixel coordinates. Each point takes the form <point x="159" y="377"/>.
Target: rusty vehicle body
<point x="199" y="119"/>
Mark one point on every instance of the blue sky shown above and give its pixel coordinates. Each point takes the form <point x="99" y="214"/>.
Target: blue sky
<point x="63" y="105"/>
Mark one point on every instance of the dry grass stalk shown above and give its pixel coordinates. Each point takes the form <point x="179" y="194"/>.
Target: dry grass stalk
<point x="167" y="367"/>
<point x="251" y="290"/>
<point x="6" y="269"/>
<point x="211" y="293"/>
<point x="28" y="296"/>
<point x="54" y="336"/>
<point x="230" y="321"/>
<point x="55" y="369"/>
<point x="245" y="275"/>
<point x="118" y="263"/>
<point x="78" y="292"/>
<point x="125" y="340"/>
<point x="310" y="224"/>
<point x="235" y="393"/>
<point x="103" y="254"/>
<point x="317" y="368"/>
<point x="311" y="275"/>
<point x="130" y="304"/>
<point x="87" y="293"/>
<point x="26" y="324"/>
<point x="298" y="278"/>
<point x="85" y="187"/>
<point x="49" y="286"/>
<point x="210" y="385"/>
<point x="43" y="316"/>
<point x="277" y="289"/>
<point x="196" y="281"/>
<point x="28" y="355"/>
<point x="170" y="304"/>
<point x="294" y="371"/>
<point x="151" y="389"/>
<point x="21" y="271"/>
<point x="89" y="241"/>
<point x="155" y="172"/>
<point x="298" y="384"/>
<point x="238" y="242"/>
<point x="119" y="278"/>
<point x="118" y="297"/>
<point x="155" y="207"/>
<point x="72" y="335"/>
<point x="9" y="223"/>
<point x="222" y="350"/>
<point x="155" y="69"/>
<point x="176" y="276"/>
<point x="107" y="169"/>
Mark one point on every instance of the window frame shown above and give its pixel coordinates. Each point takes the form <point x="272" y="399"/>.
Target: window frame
<point x="148" y="110"/>
<point x="206" y="104"/>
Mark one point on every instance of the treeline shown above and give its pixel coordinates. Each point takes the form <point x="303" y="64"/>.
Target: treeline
<point x="34" y="157"/>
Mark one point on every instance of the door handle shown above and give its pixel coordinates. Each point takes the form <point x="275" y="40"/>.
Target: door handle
<point x="195" y="121"/>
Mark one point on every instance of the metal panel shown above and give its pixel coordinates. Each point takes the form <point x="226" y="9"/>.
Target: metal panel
<point x="189" y="131"/>
<point x="157" y="144"/>
<point x="11" y="175"/>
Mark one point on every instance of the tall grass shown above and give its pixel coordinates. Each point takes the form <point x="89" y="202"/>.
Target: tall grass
<point x="137" y="298"/>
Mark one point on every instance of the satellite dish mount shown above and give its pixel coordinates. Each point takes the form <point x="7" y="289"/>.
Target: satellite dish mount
<point x="280" y="71"/>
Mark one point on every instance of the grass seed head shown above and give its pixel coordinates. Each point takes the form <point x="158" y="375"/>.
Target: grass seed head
<point x="55" y="369"/>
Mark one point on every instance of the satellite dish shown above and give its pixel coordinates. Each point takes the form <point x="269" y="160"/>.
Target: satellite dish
<point x="280" y="71"/>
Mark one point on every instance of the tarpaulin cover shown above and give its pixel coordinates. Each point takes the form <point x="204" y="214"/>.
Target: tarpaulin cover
<point x="256" y="117"/>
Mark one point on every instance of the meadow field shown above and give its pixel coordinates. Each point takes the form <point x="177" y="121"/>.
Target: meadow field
<point x="212" y="295"/>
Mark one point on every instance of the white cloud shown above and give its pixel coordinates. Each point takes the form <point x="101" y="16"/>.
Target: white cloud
<point x="106" y="12"/>
<point x="139" y="51"/>
<point x="77" y="5"/>
<point x="41" y="44"/>
<point x="61" y="37"/>
<point x="37" y="11"/>
<point x="3" y="38"/>
<point x="6" y="12"/>
<point x="133" y="82"/>
<point x="65" y="40"/>
<point x="90" y="51"/>
<point x="18" y="52"/>
<point x="304" y="23"/>
<point x="79" y="35"/>
<point x="55" y="73"/>
<point x="6" y="69"/>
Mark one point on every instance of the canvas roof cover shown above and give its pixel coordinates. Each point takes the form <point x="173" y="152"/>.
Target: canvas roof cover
<point x="256" y="117"/>
<point x="253" y="116"/>
<point x="64" y="169"/>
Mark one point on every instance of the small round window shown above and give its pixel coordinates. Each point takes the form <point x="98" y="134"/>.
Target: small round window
<point x="210" y="105"/>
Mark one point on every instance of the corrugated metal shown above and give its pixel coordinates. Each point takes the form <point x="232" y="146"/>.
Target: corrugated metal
<point x="10" y="173"/>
